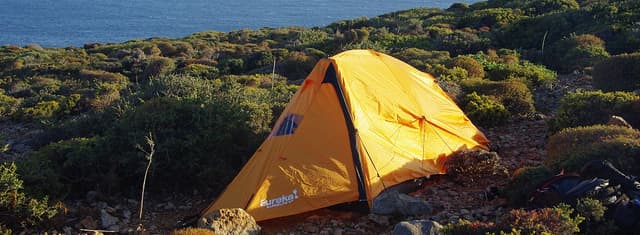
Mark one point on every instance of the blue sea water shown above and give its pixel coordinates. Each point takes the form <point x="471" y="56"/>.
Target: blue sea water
<point x="60" y="23"/>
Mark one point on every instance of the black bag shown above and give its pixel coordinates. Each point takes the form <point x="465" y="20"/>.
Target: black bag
<point x="600" y="180"/>
<point x="568" y="188"/>
<point x="627" y="215"/>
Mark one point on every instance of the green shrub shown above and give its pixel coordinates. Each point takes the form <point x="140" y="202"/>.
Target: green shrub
<point x="524" y="182"/>
<point x="200" y="70"/>
<point x="102" y="77"/>
<point x="576" y="52"/>
<point x="460" y="43"/>
<point x="195" y="141"/>
<point x="492" y="17"/>
<point x="455" y="74"/>
<point x="546" y="6"/>
<point x="42" y="110"/>
<point x="473" y="68"/>
<point x="69" y="166"/>
<point x="158" y="66"/>
<point x="8" y="105"/>
<point x="591" y="209"/>
<point x="585" y="108"/>
<point x="468" y="166"/>
<point x="533" y="74"/>
<point x="259" y="60"/>
<point x="485" y="110"/>
<point x="166" y="48"/>
<point x="105" y="88"/>
<point x="571" y="148"/>
<point x="557" y="220"/>
<point x="231" y="66"/>
<point x="618" y="73"/>
<point x="514" y="95"/>
<point x="18" y="210"/>
<point x="420" y="58"/>
<point x="298" y="65"/>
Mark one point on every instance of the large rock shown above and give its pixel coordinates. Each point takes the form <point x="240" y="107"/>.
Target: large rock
<point x="230" y="221"/>
<point x="417" y="227"/>
<point x="392" y="202"/>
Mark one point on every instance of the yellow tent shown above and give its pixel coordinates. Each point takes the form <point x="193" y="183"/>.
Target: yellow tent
<point x="360" y="122"/>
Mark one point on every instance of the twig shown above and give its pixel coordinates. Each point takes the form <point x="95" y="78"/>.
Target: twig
<point x="149" y="156"/>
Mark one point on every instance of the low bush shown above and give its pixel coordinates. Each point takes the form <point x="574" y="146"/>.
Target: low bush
<point x="455" y="74"/>
<point x="557" y="220"/>
<point x="532" y="74"/>
<point x="189" y="135"/>
<point x="598" y="219"/>
<point x="42" y="110"/>
<point x="8" y="105"/>
<point x="200" y="70"/>
<point x="420" y="58"/>
<point x="468" y="166"/>
<point x="524" y="182"/>
<point x="297" y="65"/>
<point x="158" y="66"/>
<point x="514" y="95"/>
<point x="65" y="167"/>
<point x="203" y="130"/>
<point x="585" y="108"/>
<point x="473" y="68"/>
<point x="576" y="53"/>
<point x="591" y="209"/>
<point x="469" y="227"/>
<point x="461" y="42"/>
<point x="571" y="148"/>
<point x="618" y="73"/>
<point x="485" y="110"/>
<point x="17" y="209"/>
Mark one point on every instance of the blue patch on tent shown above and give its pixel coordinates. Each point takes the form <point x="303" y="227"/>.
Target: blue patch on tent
<point x="289" y="124"/>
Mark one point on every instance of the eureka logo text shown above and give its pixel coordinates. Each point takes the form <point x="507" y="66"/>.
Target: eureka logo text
<point x="279" y="201"/>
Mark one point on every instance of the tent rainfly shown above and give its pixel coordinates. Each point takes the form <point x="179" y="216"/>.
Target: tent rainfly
<point x="360" y="122"/>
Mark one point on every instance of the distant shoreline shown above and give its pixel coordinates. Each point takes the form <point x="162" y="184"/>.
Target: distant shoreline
<point x="75" y="23"/>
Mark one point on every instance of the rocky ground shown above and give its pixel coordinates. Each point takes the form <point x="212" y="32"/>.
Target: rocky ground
<point x="519" y="143"/>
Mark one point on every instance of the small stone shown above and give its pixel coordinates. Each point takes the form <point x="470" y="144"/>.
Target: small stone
<point x="107" y="219"/>
<point x="169" y="206"/>
<point x="126" y="214"/>
<point x="464" y="211"/>
<point x="416" y="227"/>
